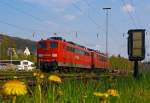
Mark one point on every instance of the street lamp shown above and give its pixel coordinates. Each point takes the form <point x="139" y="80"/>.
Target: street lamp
<point x="107" y="10"/>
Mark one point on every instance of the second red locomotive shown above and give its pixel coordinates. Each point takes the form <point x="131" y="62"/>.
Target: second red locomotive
<point x="56" y="53"/>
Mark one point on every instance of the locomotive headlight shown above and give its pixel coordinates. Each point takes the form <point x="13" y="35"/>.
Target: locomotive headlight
<point x="54" y="55"/>
<point x="40" y="55"/>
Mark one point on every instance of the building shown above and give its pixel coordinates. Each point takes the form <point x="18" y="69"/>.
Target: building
<point x="26" y="51"/>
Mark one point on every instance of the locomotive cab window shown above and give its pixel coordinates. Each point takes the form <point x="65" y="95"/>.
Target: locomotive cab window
<point x="86" y="53"/>
<point x="70" y="49"/>
<point x="42" y="45"/>
<point x="53" y="45"/>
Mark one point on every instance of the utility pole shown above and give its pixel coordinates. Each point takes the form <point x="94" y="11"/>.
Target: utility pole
<point x="107" y="13"/>
<point x="10" y="53"/>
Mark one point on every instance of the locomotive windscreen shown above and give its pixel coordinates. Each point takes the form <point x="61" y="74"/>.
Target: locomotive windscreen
<point x="53" y="45"/>
<point x="42" y="44"/>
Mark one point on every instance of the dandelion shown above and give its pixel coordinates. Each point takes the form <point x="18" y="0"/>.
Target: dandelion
<point x="41" y="76"/>
<point x="38" y="75"/>
<point x="14" y="88"/>
<point x="34" y="74"/>
<point x="55" y="78"/>
<point x="15" y="77"/>
<point x="39" y="79"/>
<point x="102" y="96"/>
<point x="113" y="92"/>
<point x="99" y="94"/>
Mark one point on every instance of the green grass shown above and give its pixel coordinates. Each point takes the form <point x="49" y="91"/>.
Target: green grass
<point x="81" y="91"/>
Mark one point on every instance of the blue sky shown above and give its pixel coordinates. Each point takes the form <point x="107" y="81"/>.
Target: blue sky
<point x="21" y="18"/>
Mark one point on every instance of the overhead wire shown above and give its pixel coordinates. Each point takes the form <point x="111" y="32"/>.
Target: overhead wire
<point x="16" y="26"/>
<point x="95" y="9"/>
<point x="19" y="27"/>
<point x="112" y="26"/>
<point x="39" y="19"/>
<point x="28" y="14"/>
<point x="89" y="5"/>
<point x="28" y="29"/>
<point x="89" y="17"/>
<point x="24" y="13"/>
<point x="21" y="11"/>
<point x="138" y="20"/>
<point x="141" y="26"/>
<point x="130" y="15"/>
<point x="136" y="14"/>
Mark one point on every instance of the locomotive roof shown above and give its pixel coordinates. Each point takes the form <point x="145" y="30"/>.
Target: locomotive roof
<point x="70" y="42"/>
<point x="56" y="38"/>
<point x="96" y="51"/>
<point x="76" y="44"/>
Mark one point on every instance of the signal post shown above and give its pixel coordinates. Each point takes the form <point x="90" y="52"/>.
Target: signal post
<point x="136" y="48"/>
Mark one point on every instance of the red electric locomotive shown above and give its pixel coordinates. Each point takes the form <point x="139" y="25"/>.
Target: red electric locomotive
<point x="56" y="53"/>
<point x="99" y="60"/>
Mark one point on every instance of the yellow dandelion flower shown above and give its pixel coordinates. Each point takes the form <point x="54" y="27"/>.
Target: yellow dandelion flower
<point x="112" y="92"/>
<point x="14" y="87"/>
<point x="15" y="77"/>
<point x="38" y="74"/>
<point x="34" y="74"/>
<point x="99" y="94"/>
<point x="41" y="76"/>
<point x="55" y="78"/>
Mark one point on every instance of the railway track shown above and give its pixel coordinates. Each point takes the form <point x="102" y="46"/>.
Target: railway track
<point x="5" y="75"/>
<point x="29" y="78"/>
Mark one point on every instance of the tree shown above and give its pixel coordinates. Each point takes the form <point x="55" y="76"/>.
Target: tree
<point x="121" y="63"/>
<point x="5" y="44"/>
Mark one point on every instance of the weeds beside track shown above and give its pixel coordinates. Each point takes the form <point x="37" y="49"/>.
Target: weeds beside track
<point x="79" y="88"/>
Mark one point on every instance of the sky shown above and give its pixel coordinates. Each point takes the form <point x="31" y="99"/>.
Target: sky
<point x="80" y="21"/>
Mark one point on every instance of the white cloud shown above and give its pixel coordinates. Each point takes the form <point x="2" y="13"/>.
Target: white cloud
<point x="69" y="17"/>
<point x="56" y="5"/>
<point x="128" y="8"/>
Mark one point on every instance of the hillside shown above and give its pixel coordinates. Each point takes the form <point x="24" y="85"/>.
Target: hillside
<point x="22" y="43"/>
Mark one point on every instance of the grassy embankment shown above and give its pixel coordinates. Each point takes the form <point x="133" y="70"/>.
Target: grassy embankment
<point x="82" y="91"/>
